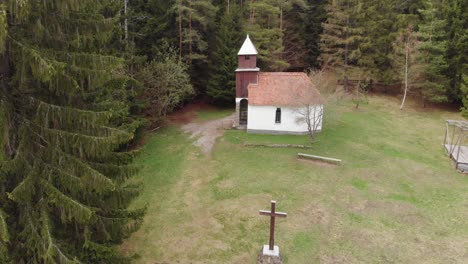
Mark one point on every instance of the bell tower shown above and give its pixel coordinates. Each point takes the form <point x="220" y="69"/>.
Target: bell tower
<point x="246" y="73"/>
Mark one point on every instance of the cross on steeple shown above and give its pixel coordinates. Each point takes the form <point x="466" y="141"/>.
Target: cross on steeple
<point x="272" y="215"/>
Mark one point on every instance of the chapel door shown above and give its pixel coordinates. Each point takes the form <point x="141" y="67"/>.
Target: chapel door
<point x="243" y="112"/>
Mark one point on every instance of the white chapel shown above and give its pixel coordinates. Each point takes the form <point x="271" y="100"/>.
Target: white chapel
<point x="274" y="102"/>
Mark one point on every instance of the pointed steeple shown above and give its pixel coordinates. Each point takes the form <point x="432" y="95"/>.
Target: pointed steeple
<point x="247" y="48"/>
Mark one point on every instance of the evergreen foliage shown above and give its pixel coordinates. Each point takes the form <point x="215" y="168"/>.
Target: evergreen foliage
<point x="340" y="36"/>
<point x="377" y="26"/>
<point x="67" y="102"/>
<point x="229" y="36"/>
<point x="195" y="23"/>
<point x="194" y="18"/>
<point x="64" y="191"/>
<point x="464" y="90"/>
<point x="457" y="47"/>
<point x="151" y="25"/>
<point x="360" y="34"/>
<point x="315" y="16"/>
<point x="433" y="50"/>
<point x="263" y="25"/>
<point x="292" y="23"/>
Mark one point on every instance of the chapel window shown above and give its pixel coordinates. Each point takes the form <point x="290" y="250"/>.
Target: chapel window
<point x="278" y="116"/>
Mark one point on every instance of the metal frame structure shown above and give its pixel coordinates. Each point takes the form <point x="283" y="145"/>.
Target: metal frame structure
<point x="454" y="143"/>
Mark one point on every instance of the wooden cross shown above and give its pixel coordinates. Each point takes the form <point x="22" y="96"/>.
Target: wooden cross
<point x="272" y="215"/>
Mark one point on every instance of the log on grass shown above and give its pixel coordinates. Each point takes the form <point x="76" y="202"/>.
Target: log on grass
<point x="277" y="145"/>
<point x="319" y="158"/>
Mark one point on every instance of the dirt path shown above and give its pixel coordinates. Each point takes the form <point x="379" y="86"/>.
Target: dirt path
<point x="207" y="132"/>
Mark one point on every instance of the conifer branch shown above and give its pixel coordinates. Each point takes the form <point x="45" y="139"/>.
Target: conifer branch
<point x="52" y="254"/>
<point x="69" y="208"/>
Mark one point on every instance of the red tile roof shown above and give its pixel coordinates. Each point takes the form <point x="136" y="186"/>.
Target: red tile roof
<point x="283" y="89"/>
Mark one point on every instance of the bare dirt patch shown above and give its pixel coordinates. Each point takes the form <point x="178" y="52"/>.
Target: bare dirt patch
<point x="207" y="132"/>
<point x="188" y="113"/>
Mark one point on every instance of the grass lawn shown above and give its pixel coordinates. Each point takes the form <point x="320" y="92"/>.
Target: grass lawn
<point x="395" y="199"/>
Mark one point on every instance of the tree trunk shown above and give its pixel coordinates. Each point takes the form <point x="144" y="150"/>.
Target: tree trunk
<point x="346" y="52"/>
<point x="309" y="121"/>
<point x="345" y="80"/>
<point x="180" y="34"/>
<point x="406" y="74"/>
<point x="357" y="98"/>
<point x="190" y="32"/>
<point x="252" y="14"/>
<point x="281" y="18"/>
<point x="126" y="21"/>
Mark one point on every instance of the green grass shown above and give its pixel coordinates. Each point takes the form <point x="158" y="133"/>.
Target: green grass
<point x="359" y="184"/>
<point x="395" y="199"/>
<point x="212" y="114"/>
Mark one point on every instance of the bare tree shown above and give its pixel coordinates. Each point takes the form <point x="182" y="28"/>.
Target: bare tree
<point x="406" y="46"/>
<point x="312" y="115"/>
<point x="360" y="96"/>
<point x="311" y="108"/>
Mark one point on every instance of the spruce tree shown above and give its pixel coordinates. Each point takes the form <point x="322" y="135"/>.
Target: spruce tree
<point x="151" y="25"/>
<point x="433" y="50"/>
<point x="292" y="24"/>
<point x="63" y="183"/>
<point x="377" y="22"/>
<point x="316" y="15"/>
<point x="195" y="22"/>
<point x="194" y="18"/>
<point x="457" y="46"/>
<point x="464" y="90"/>
<point x="264" y="27"/>
<point x="229" y="36"/>
<point x="340" y="36"/>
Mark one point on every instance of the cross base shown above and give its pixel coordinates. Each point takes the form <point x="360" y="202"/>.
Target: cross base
<point x="267" y="252"/>
<point x="267" y="256"/>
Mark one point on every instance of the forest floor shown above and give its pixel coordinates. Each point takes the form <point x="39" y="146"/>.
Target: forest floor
<point x="395" y="199"/>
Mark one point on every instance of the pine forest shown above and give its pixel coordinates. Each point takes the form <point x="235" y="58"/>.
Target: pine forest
<point x="83" y="82"/>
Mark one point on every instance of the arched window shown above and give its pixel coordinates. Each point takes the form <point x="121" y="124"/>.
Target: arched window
<point x="278" y="116"/>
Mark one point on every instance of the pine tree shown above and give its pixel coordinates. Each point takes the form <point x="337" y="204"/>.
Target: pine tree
<point x="263" y="25"/>
<point x="433" y="50"/>
<point x="194" y="18"/>
<point x="229" y="35"/>
<point x="293" y="22"/>
<point x="316" y="15"/>
<point x="378" y="26"/>
<point x="63" y="183"/>
<point x="464" y="90"/>
<point x="151" y="25"/>
<point x="457" y="46"/>
<point x="340" y="36"/>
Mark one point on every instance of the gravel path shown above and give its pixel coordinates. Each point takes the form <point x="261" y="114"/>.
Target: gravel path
<point x="207" y="132"/>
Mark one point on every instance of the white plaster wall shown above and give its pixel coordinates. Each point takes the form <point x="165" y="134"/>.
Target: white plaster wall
<point x="263" y="118"/>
